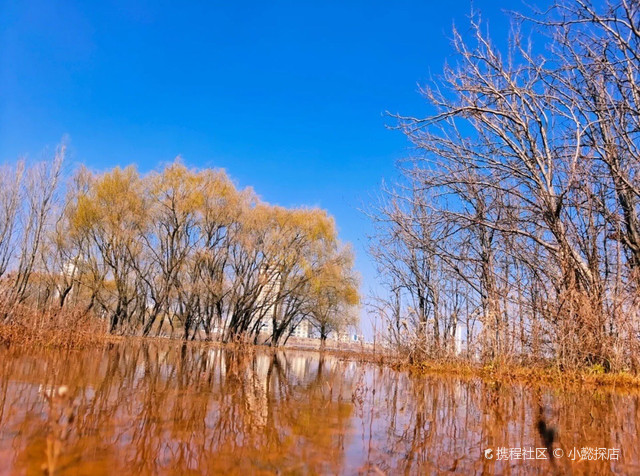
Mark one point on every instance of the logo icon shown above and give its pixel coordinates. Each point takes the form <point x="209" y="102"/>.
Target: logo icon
<point x="488" y="453"/>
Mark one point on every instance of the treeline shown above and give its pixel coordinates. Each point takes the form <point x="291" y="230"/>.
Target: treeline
<point x="514" y="232"/>
<point x="176" y="252"/>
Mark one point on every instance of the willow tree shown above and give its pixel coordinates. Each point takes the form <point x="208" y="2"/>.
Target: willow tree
<point x="299" y="243"/>
<point x="113" y="213"/>
<point x="175" y="249"/>
<point x="276" y="253"/>
<point x="174" y="198"/>
<point x="250" y="279"/>
<point x="220" y="212"/>
<point x="333" y="292"/>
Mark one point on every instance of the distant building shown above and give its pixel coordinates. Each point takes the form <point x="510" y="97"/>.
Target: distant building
<point x="346" y="337"/>
<point x="458" y="339"/>
<point x="303" y="329"/>
<point x="267" y="305"/>
<point x="69" y="270"/>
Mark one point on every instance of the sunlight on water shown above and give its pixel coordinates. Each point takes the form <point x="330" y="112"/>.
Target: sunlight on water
<point x="162" y="408"/>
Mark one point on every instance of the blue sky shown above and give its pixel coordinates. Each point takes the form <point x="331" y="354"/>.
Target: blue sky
<point x="288" y="97"/>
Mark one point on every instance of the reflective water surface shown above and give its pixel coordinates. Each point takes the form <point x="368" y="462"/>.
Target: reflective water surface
<point x="164" y="408"/>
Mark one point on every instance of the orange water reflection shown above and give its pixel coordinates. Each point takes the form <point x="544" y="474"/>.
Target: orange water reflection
<point x="163" y="408"/>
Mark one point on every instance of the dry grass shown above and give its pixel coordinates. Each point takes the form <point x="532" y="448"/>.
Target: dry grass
<point x="58" y="329"/>
<point x="539" y="375"/>
<point x="72" y="330"/>
<point x="20" y="335"/>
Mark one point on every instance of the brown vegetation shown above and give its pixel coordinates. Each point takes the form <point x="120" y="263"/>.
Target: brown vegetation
<point x="62" y="329"/>
<point x="535" y="375"/>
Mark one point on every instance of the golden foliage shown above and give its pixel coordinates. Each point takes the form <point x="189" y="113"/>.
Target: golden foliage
<point x="145" y="245"/>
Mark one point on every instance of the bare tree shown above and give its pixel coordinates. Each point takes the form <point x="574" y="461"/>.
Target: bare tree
<point x="527" y="173"/>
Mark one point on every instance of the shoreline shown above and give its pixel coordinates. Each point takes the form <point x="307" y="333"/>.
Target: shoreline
<point x="17" y="337"/>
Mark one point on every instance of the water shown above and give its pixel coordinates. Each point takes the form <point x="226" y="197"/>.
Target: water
<point x="162" y="408"/>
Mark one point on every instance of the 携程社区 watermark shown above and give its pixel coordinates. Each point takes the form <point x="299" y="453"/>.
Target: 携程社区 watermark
<point x="576" y="454"/>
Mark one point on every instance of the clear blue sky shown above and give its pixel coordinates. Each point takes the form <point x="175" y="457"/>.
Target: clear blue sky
<point x="288" y="97"/>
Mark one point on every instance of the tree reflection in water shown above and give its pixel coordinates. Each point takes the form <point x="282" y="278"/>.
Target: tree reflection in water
<point x="155" y="407"/>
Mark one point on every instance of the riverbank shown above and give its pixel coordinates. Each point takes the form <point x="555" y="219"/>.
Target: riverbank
<point x="81" y="337"/>
<point x="535" y="375"/>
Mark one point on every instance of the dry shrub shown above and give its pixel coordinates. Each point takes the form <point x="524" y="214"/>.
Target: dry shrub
<point x="61" y="328"/>
<point x="586" y="333"/>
